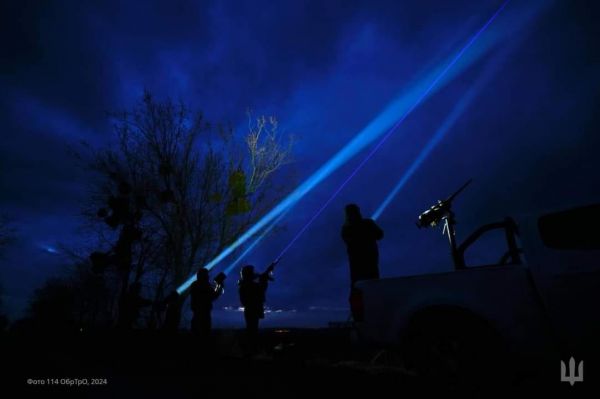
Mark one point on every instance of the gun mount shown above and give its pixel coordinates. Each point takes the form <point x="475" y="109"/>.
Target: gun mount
<point x="442" y="212"/>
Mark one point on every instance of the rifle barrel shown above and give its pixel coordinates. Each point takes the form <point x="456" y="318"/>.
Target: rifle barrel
<point x="451" y="198"/>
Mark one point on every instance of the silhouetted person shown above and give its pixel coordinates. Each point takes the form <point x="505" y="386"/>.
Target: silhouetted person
<point x="131" y="304"/>
<point x="252" y="290"/>
<point x="203" y="293"/>
<point x="173" y="303"/>
<point x="361" y="236"/>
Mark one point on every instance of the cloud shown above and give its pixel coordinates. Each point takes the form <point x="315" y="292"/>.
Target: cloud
<point x="326" y="69"/>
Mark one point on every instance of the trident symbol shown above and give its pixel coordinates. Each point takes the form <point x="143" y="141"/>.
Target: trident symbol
<point x="572" y="378"/>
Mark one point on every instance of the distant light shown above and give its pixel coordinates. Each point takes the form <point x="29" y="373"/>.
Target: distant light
<point x="50" y="249"/>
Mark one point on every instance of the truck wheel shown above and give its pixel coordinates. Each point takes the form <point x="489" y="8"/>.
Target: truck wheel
<point x="453" y="346"/>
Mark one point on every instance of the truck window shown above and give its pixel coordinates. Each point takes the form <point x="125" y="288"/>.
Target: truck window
<point x="574" y="229"/>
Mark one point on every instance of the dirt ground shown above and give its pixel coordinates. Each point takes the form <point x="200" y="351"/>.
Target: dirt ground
<point x="289" y="363"/>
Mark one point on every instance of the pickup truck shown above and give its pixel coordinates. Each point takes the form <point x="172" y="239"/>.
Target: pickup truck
<point x="537" y="306"/>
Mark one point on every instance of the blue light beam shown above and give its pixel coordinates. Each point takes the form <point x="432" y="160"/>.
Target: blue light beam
<point x="376" y="128"/>
<point x="242" y="256"/>
<point x="444" y="128"/>
<point x="254" y="244"/>
<point x="374" y="150"/>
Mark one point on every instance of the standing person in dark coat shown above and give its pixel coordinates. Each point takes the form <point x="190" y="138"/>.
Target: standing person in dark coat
<point x="203" y="293"/>
<point x="361" y="236"/>
<point x="252" y="290"/>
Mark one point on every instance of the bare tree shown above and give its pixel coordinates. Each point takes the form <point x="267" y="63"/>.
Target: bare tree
<point x="7" y="235"/>
<point x="267" y="153"/>
<point x="175" y="190"/>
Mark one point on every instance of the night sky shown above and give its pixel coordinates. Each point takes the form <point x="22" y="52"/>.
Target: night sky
<point x="529" y="138"/>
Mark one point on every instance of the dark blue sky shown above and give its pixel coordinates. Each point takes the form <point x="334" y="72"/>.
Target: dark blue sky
<point x="529" y="139"/>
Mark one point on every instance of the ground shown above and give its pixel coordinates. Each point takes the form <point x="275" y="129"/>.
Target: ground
<point x="291" y="363"/>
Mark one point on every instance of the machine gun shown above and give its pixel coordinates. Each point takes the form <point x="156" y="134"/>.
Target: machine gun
<point x="220" y="279"/>
<point x="442" y="211"/>
<point x="268" y="274"/>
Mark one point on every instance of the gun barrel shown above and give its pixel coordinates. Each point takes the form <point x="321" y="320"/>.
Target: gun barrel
<point x="450" y="198"/>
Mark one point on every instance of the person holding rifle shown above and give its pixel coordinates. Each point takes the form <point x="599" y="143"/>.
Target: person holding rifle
<point x="252" y="290"/>
<point x="203" y="293"/>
